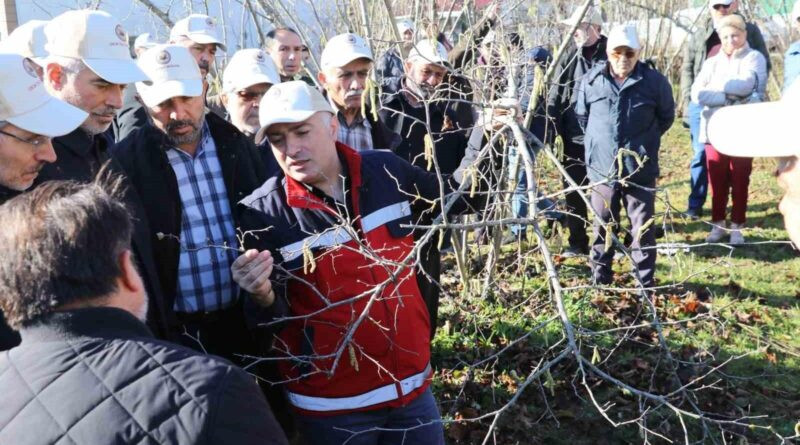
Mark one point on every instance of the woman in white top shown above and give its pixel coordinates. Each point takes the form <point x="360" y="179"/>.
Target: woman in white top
<point x="737" y="74"/>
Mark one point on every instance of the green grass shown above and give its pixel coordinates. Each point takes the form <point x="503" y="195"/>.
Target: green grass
<point x="742" y="302"/>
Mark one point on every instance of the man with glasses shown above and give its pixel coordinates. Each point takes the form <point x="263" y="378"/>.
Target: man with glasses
<point x="624" y="107"/>
<point x="249" y="75"/>
<point x="288" y="52"/>
<point x="29" y="117"/>
<point x="703" y="44"/>
<point x="588" y="50"/>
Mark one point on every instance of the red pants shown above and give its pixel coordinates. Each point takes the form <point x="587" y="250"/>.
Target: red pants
<point x="728" y="174"/>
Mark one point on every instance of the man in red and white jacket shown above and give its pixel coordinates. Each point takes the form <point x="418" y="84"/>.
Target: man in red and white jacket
<point x="353" y="338"/>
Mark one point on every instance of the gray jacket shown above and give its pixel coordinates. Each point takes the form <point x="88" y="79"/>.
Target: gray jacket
<point x="695" y="53"/>
<point x="632" y="117"/>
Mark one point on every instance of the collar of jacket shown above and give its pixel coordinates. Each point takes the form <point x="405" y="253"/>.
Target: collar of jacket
<point x="298" y="194"/>
<point x="6" y="194"/>
<point x="97" y="322"/>
<point x="80" y="142"/>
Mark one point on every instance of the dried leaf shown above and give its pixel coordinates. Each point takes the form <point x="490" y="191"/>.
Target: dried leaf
<point x="352" y="351"/>
<point x="428" y="150"/>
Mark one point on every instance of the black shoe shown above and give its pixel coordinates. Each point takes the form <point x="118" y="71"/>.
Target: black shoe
<point x="695" y="213"/>
<point x="602" y="281"/>
<point x="574" y="252"/>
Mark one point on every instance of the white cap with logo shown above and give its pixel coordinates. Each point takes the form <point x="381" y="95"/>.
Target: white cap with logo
<point x="430" y="51"/>
<point x="249" y="67"/>
<point x="25" y="103"/>
<point x="624" y="35"/>
<point x="343" y="49"/>
<point x="173" y="72"/>
<point x="27" y="40"/>
<point x="758" y="130"/>
<point x="199" y="28"/>
<point x="592" y="17"/>
<point x="290" y="102"/>
<point x="96" y="38"/>
<point x="405" y="25"/>
<point x="144" y="41"/>
<point x="712" y="3"/>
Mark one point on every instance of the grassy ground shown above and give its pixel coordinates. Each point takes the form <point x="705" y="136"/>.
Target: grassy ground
<point x="731" y="324"/>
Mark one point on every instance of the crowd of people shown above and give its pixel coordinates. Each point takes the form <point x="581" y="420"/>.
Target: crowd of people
<point x="163" y="233"/>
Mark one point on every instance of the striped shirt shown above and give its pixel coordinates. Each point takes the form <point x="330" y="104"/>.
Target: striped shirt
<point x="204" y="271"/>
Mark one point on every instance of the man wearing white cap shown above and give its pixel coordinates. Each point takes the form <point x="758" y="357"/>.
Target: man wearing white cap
<point x="329" y="277"/>
<point x="345" y="62"/>
<point x="409" y="102"/>
<point x="705" y="43"/>
<point x="88" y="66"/>
<point x="391" y="64"/>
<point x="28" y="40"/>
<point x="29" y="117"/>
<point x="588" y="50"/>
<point x="189" y="168"/>
<point x="791" y="60"/>
<point x="766" y="130"/>
<point x="624" y="107"/>
<point x="249" y="75"/>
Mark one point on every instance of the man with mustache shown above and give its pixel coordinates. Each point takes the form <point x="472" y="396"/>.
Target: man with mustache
<point x="189" y="168"/>
<point x="88" y="66"/>
<point x="198" y="33"/>
<point x="249" y="75"/>
<point x="346" y="62"/>
<point x="26" y="126"/>
<point x="624" y="107"/>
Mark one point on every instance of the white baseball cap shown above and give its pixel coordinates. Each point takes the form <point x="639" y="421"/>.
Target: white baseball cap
<point x="592" y="17"/>
<point x="96" y="38"/>
<point x="25" y="103"/>
<point x="289" y="102"/>
<point x="249" y="67"/>
<point x="173" y="72"/>
<point x="405" y="25"/>
<point x="145" y="41"/>
<point x="429" y="50"/>
<point x="758" y="130"/>
<point x="343" y="49"/>
<point x="27" y="40"/>
<point x="199" y="28"/>
<point x="623" y="35"/>
<point x="712" y="3"/>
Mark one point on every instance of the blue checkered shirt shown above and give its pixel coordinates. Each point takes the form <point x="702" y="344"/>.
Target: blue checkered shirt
<point x="204" y="272"/>
<point x="357" y="136"/>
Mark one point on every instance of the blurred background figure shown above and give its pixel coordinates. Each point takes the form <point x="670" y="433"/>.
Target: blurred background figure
<point x="391" y="63"/>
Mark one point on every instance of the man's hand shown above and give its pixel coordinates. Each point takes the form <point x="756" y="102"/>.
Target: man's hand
<point x="251" y="272"/>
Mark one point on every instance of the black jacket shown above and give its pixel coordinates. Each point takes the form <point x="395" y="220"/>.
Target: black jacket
<point x="450" y="125"/>
<point x="131" y="116"/>
<point x="563" y="93"/>
<point x="8" y="337"/>
<point x="97" y="376"/>
<point x="79" y="157"/>
<point x="143" y="159"/>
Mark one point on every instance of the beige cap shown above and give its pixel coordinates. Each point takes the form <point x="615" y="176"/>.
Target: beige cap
<point x="173" y="72"/>
<point x="430" y="51"/>
<point x="592" y="17"/>
<point x="343" y="49"/>
<point x="199" y="28"/>
<point x="25" y="103"/>
<point x="96" y="38"/>
<point x="249" y="67"/>
<point x="758" y="130"/>
<point x="27" y="40"/>
<point x="624" y="35"/>
<point x="289" y="102"/>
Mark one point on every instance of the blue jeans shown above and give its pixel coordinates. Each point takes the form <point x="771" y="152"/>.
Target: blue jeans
<point x="699" y="170"/>
<point x="519" y="200"/>
<point x="417" y="423"/>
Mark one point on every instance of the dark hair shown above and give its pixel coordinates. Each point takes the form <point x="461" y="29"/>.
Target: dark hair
<point x="60" y="244"/>
<point x="270" y="37"/>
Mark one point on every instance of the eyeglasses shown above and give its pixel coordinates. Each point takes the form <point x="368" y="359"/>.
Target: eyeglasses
<point x="630" y="54"/>
<point x="36" y="141"/>
<point x="721" y="6"/>
<point x="250" y="96"/>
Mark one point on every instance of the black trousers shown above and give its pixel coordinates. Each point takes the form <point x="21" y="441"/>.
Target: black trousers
<point x="431" y="264"/>
<point x="575" y="165"/>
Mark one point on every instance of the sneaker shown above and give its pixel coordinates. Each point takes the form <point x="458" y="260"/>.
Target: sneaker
<point x="575" y="252"/>
<point x="718" y="231"/>
<point x="737" y="239"/>
<point x="694" y="213"/>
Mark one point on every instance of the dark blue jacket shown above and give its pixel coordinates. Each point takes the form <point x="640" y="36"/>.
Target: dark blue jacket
<point x="632" y="117"/>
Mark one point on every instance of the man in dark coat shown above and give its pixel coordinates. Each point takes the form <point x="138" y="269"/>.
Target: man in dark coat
<point x="88" y="370"/>
<point x="188" y="170"/>
<point x="588" y="50"/>
<point x="625" y="107"/>
<point x="26" y="126"/>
